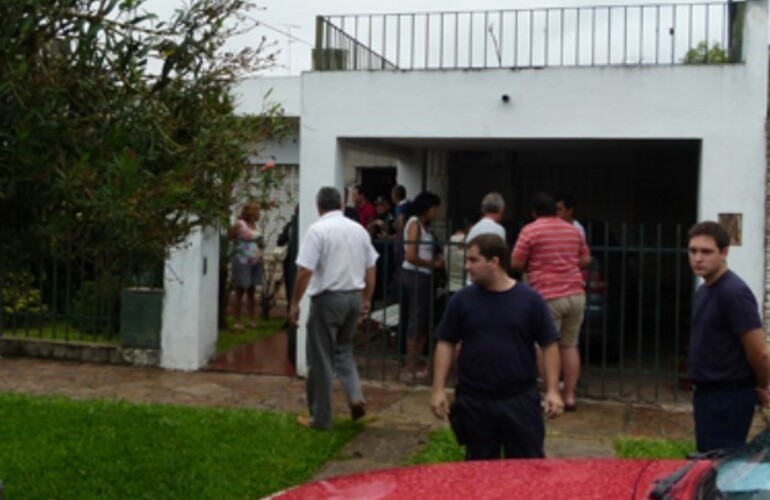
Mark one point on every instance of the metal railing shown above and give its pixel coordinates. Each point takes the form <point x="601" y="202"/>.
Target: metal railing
<point x="74" y="298"/>
<point x="634" y="336"/>
<point x="655" y="34"/>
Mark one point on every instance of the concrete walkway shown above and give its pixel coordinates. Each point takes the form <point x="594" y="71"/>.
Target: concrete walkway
<point x="397" y="426"/>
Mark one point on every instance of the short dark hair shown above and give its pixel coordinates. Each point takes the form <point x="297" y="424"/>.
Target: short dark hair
<point x="491" y="245"/>
<point x="543" y="204"/>
<point x="328" y="198"/>
<point x="399" y="191"/>
<point x="360" y="189"/>
<point x="712" y="229"/>
<point x="423" y="202"/>
<point x="567" y="199"/>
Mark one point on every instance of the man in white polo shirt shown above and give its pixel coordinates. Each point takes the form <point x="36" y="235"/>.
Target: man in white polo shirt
<point x="492" y="210"/>
<point x="336" y="266"/>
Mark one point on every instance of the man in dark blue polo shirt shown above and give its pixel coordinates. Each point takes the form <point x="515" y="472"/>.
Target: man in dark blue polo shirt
<point x="498" y="320"/>
<point x="728" y="356"/>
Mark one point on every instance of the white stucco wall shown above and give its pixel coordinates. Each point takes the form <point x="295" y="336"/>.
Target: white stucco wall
<point x="189" y="331"/>
<point x="723" y="106"/>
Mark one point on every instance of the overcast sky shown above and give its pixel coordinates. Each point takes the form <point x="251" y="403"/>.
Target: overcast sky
<point x="290" y="24"/>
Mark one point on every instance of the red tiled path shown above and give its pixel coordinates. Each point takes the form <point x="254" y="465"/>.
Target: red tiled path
<point x="153" y="385"/>
<point x="266" y="356"/>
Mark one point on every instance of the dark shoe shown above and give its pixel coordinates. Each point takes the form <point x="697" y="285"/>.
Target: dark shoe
<point x="572" y="407"/>
<point x="357" y="411"/>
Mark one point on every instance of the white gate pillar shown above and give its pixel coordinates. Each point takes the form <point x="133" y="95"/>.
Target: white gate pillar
<point x="189" y="331"/>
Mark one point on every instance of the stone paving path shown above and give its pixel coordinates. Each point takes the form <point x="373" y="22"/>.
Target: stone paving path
<point x="398" y="423"/>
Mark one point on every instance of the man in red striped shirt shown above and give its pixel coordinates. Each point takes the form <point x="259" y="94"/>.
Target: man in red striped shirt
<point x="552" y="252"/>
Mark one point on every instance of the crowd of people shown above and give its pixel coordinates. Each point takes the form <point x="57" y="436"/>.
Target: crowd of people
<point x="510" y="329"/>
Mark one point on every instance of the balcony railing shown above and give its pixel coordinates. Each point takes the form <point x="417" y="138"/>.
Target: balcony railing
<point x="656" y="34"/>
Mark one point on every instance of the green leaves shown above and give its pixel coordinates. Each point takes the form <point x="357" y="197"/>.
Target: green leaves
<point x="100" y="154"/>
<point x="702" y="54"/>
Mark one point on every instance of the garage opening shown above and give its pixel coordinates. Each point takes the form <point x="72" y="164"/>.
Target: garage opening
<point x="636" y="200"/>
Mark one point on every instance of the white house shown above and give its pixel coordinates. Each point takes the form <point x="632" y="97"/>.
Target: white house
<point x="595" y="101"/>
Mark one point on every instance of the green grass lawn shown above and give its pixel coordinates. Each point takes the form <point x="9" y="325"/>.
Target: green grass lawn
<point x="59" y="448"/>
<point x="652" y="448"/>
<point x="442" y="447"/>
<point x="59" y="330"/>
<point x="226" y="340"/>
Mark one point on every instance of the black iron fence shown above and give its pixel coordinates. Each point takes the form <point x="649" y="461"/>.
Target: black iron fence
<point x="75" y="298"/>
<point x="650" y="34"/>
<point x="634" y="336"/>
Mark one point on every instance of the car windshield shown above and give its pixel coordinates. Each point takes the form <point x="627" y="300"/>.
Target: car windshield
<point x="746" y="474"/>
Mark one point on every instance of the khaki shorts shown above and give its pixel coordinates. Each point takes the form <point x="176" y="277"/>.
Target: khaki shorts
<point x="567" y="314"/>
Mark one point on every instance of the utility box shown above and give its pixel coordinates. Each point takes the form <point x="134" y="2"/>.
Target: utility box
<point x="140" y="317"/>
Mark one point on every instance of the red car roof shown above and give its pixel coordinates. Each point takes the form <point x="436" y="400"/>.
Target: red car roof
<point x="541" y="479"/>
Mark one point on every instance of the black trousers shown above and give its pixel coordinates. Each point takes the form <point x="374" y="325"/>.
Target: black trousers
<point x="514" y="426"/>
<point x="723" y="417"/>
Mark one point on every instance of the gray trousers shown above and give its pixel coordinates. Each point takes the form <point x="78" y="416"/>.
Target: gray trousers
<point x="330" y="327"/>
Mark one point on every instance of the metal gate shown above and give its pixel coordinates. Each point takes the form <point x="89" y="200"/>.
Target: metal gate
<point x="633" y="340"/>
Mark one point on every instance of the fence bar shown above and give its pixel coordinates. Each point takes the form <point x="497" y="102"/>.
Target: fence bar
<point x="658" y="264"/>
<point x="640" y="314"/>
<point x="441" y="42"/>
<point x="547" y="30"/>
<point x="398" y="40"/>
<point x="516" y="39"/>
<point x="457" y="39"/>
<point x="470" y="40"/>
<point x="561" y="37"/>
<point x="677" y="309"/>
<point x="657" y="31"/>
<point x="411" y="65"/>
<point x="541" y="22"/>
<point x="623" y="273"/>
<point x="500" y="43"/>
<point x="641" y="35"/>
<point x="672" y="33"/>
<point x="486" y="39"/>
<point x="531" y="37"/>
<point x="593" y="36"/>
<point x="609" y="35"/>
<point x="625" y="35"/>
<point x="577" y="37"/>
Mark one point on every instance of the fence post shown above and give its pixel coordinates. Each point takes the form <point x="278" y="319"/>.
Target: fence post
<point x="318" y="59"/>
<point x="736" y="14"/>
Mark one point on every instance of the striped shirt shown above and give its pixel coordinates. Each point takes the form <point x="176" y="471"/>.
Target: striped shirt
<point x="551" y="250"/>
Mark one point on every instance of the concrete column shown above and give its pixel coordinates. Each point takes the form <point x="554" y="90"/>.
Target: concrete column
<point x="409" y="175"/>
<point x="323" y="164"/>
<point x="766" y="295"/>
<point x="189" y="332"/>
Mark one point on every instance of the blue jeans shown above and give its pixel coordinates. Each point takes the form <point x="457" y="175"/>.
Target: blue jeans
<point x="723" y="417"/>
